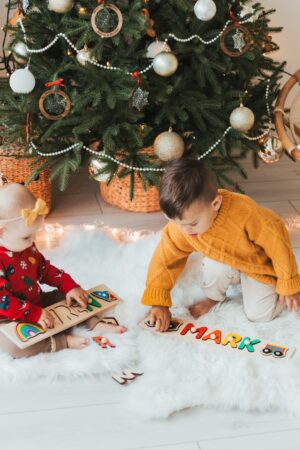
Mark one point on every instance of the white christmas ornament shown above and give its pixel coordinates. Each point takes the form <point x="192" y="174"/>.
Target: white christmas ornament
<point x="165" y="64"/>
<point x="242" y="118"/>
<point x="22" y="81"/>
<point x="205" y="9"/>
<point x="168" y="146"/>
<point x="157" y="47"/>
<point x="95" y="166"/>
<point x="20" y="53"/>
<point x="84" y="55"/>
<point x="60" y="6"/>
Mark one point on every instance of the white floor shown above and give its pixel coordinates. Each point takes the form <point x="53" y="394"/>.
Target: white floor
<point x="89" y="414"/>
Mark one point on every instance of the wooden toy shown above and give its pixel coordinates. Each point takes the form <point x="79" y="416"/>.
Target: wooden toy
<point x="24" y="334"/>
<point x="126" y="376"/>
<point x="188" y="331"/>
<point x="103" y="342"/>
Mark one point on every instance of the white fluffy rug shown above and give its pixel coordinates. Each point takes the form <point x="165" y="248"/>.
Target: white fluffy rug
<point x="177" y="374"/>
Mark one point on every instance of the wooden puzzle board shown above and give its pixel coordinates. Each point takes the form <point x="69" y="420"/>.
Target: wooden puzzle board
<point x="202" y="335"/>
<point x="64" y="317"/>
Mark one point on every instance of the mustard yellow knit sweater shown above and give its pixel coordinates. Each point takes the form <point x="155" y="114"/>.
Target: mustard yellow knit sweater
<point x="244" y="235"/>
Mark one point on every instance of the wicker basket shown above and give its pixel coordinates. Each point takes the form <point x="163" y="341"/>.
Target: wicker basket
<point x="18" y="170"/>
<point x="117" y="194"/>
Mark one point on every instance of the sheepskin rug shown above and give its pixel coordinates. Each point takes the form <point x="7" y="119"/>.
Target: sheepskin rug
<point x="177" y="374"/>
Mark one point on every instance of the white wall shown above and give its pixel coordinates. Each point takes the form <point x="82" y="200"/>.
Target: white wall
<point x="287" y="15"/>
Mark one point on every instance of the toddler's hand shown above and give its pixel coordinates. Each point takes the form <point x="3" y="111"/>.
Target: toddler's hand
<point x="292" y="301"/>
<point x="79" y="295"/>
<point x="46" y="320"/>
<point x="160" y="317"/>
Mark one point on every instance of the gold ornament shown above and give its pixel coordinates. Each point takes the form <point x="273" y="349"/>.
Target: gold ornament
<point x="242" y="118"/>
<point x="97" y="21"/>
<point x="157" y="47"/>
<point x="273" y="150"/>
<point x="84" y="56"/>
<point x="165" y="64"/>
<point x="168" y="145"/>
<point x="94" y="168"/>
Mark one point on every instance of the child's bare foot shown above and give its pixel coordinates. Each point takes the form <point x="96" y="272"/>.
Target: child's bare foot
<point x="77" y="342"/>
<point x="201" y="308"/>
<point x="103" y="327"/>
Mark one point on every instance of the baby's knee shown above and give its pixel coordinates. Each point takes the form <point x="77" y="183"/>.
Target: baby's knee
<point x="260" y="316"/>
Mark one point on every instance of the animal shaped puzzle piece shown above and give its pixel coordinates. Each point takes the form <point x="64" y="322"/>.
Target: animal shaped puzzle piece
<point x="126" y="376"/>
<point x="103" y="342"/>
<point x="92" y="302"/>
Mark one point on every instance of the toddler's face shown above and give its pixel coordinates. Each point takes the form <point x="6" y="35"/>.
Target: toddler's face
<point x="199" y="216"/>
<point x="17" y="236"/>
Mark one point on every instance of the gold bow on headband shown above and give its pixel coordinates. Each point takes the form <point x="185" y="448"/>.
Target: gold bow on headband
<point x="30" y="215"/>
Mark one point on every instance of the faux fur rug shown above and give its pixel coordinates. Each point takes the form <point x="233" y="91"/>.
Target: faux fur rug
<point x="177" y="374"/>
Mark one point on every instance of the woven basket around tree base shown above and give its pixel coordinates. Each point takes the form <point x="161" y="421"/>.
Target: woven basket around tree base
<point x="117" y="193"/>
<point x="19" y="170"/>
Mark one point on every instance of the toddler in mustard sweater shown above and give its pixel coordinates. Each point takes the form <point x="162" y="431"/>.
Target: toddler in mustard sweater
<point x="239" y="240"/>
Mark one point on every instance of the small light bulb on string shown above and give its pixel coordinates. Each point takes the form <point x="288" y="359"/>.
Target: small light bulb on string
<point x="69" y="52"/>
<point x="82" y="10"/>
<point x="108" y="64"/>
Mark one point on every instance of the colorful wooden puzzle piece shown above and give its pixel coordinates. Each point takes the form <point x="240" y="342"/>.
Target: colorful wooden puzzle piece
<point x="103" y="342"/>
<point x="195" y="333"/>
<point x="26" y="334"/>
<point x="104" y="295"/>
<point x="27" y="331"/>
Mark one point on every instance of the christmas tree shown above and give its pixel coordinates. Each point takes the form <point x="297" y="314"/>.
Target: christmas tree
<point x="135" y="83"/>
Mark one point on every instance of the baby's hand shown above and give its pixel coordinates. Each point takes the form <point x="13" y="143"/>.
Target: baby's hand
<point x="79" y="295"/>
<point x="292" y="301"/>
<point x="46" y="320"/>
<point x="160" y="317"/>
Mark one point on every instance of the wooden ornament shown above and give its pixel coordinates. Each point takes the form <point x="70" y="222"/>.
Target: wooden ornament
<point x="241" y="40"/>
<point x="246" y="345"/>
<point x="95" y="18"/>
<point x="26" y="334"/>
<point x="61" y="98"/>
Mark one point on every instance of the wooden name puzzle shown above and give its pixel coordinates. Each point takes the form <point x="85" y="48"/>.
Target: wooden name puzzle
<point x="24" y="334"/>
<point x="126" y="376"/>
<point x="233" y="341"/>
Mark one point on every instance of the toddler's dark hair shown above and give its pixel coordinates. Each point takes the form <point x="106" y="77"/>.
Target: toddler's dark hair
<point x="184" y="182"/>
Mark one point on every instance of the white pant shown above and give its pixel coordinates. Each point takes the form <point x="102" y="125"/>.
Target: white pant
<point x="260" y="299"/>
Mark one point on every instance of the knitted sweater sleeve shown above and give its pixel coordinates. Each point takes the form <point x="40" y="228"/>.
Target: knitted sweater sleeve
<point x="268" y="231"/>
<point x="167" y="263"/>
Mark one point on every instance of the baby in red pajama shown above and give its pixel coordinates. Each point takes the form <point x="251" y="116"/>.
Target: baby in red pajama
<point x="23" y="268"/>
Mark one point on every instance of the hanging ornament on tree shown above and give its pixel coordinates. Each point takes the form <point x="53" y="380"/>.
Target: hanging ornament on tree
<point x="20" y="53"/>
<point x="107" y="20"/>
<point x="55" y="104"/>
<point x="60" y="6"/>
<point x="242" y="118"/>
<point x="95" y="166"/>
<point x="168" y="145"/>
<point x="205" y="9"/>
<point x="85" y="55"/>
<point x="236" y="39"/>
<point x="157" y="47"/>
<point x="22" y="81"/>
<point x="150" y="23"/>
<point x="272" y="149"/>
<point x="165" y="64"/>
<point x="248" y="10"/>
<point x="139" y="96"/>
<point x="13" y="21"/>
